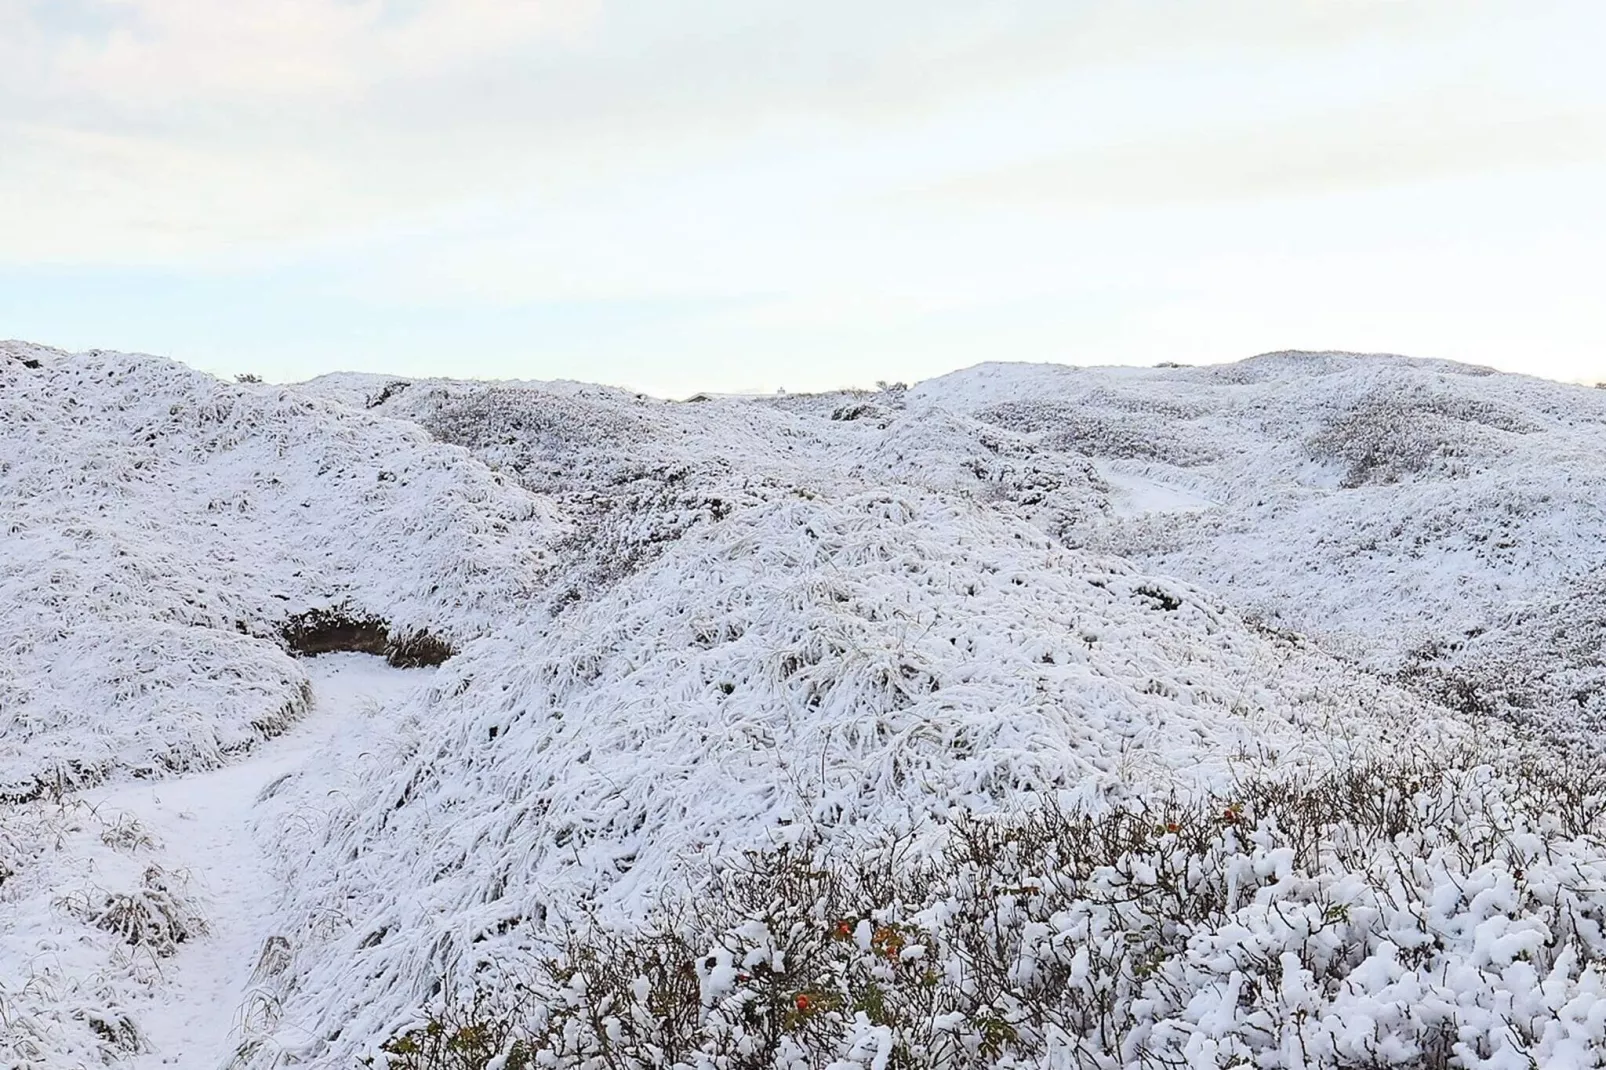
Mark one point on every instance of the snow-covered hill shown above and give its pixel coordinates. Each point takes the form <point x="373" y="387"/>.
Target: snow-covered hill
<point x="1429" y="518"/>
<point x="686" y="630"/>
<point x="160" y="525"/>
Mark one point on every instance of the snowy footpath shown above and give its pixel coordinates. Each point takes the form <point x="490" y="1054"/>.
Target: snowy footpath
<point x="205" y="825"/>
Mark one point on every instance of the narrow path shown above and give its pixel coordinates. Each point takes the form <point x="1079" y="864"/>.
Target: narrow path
<point x="203" y="824"/>
<point x="1135" y="495"/>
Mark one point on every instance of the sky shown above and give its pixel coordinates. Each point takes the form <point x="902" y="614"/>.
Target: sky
<point x="739" y="195"/>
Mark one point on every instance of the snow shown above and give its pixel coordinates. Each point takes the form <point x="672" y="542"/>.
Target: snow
<point x="1374" y="501"/>
<point x="191" y="1007"/>
<point x="159" y="525"/>
<point x="1133" y="494"/>
<point x="204" y="823"/>
<point x="687" y="630"/>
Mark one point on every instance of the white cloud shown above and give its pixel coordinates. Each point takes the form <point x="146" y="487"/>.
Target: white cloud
<point x="1398" y="141"/>
<point x="140" y="130"/>
<point x="890" y="177"/>
<point x="144" y="53"/>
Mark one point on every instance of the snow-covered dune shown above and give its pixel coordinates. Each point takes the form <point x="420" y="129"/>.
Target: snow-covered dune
<point x="161" y="528"/>
<point x="1379" y="499"/>
<point x="158" y="531"/>
<point x="684" y="630"/>
<point x="882" y="660"/>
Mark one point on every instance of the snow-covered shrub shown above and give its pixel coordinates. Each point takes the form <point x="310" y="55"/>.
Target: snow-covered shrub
<point x="1393" y="435"/>
<point x="1424" y="913"/>
<point x="1075" y="428"/>
<point x="476" y="1036"/>
<point x="538" y="435"/>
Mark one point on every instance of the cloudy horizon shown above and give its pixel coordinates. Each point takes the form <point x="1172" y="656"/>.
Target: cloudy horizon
<point x="751" y="196"/>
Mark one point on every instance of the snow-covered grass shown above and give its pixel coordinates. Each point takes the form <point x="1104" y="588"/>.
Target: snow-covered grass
<point x="1378" y="503"/>
<point x="692" y="639"/>
<point x="135" y="912"/>
<point x="806" y="665"/>
<point x="140" y="697"/>
<point x="161" y="527"/>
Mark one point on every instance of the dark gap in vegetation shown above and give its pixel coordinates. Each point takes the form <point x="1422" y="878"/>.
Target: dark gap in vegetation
<point x="388" y="391"/>
<point x="1161" y="600"/>
<point x="322" y="631"/>
<point x="333" y="631"/>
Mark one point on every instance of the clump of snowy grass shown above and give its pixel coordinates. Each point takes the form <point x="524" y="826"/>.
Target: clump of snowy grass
<point x="125" y="833"/>
<point x="155" y="916"/>
<point x="50" y="1019"/>
<point x="79" y="961"/>
<point x="1426" y="913"/>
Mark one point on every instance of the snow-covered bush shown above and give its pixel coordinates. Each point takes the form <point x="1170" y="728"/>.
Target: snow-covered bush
<point x="1391" y="436"/>
<point x="1424" y="913"/>
<point x="1078" y="428"/>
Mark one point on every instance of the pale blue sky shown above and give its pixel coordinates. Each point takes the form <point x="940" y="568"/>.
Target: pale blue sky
<point x="750" y="194"/>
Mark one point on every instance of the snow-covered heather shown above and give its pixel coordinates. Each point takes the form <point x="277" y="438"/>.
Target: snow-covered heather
<point x="688" y="629"/>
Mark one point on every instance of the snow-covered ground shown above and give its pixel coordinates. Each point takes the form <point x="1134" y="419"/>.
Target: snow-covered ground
<point x="686" y="630"/>
<point x="187" y="1003"/>
<point x="205" y="826"/>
